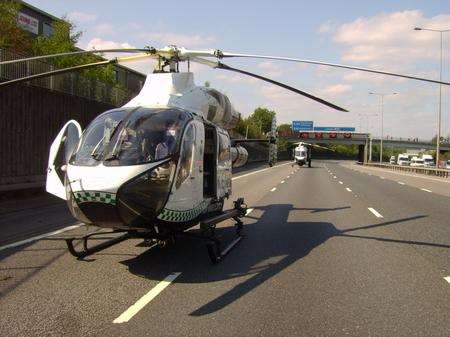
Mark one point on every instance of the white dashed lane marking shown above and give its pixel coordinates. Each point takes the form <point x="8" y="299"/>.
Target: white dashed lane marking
<point x="374" y="212"/>
<point x="146" y="299"/>
<point x="282" y="181"/>
<point x="401" y="182"/>
<point x="334" y="177"/>
<point x="424" y="189"/>
<point x="349" y="190"/>
<point x="341" y="182"/>
<point x="273" y="189"/>
<point x="447" y="278"/>
<point x="249" y="210"/>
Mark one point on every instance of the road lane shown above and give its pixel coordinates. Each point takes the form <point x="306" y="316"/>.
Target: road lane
<point x="392" y="200"/>
<point x="314" y="261"/>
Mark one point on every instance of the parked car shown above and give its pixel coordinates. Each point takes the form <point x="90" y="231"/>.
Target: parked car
<point x="392" y="161"/>
<point x="447" y="164"/>
<point x="417" y="162"/>
<point x="403" y="160"/>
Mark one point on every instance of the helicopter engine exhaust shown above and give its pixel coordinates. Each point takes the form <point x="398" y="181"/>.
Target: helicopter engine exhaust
<point x="239" y="156"/>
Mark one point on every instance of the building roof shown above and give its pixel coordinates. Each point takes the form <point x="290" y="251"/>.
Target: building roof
<point x="26" y="4"/>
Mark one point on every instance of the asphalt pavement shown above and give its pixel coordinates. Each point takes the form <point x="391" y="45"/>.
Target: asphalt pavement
<point x="328" y="251"/>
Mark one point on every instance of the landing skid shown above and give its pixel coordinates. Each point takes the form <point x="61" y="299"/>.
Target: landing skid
<point x="91" y="250"/>
<point x="207" y="226"/>
<point x="208" y="231"/>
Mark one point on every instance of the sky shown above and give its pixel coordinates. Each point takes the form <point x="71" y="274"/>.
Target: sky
<point x="375" y="34"/>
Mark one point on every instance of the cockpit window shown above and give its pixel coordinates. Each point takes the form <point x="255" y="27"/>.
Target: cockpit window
<point x="96" y="138"/>
<point x="142" y="136"/>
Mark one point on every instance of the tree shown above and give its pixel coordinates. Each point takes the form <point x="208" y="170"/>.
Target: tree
<point x="12" y="37"/>
<point x="64" y="38"/>
<point x="284" y="128"/>
<point x="262" y="117"/>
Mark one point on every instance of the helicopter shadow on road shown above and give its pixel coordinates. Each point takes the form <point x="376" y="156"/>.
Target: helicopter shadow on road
<point x="268" y="238"/>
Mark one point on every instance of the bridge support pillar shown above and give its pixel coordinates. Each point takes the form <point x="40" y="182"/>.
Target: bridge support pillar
<point x="362" y="153"/>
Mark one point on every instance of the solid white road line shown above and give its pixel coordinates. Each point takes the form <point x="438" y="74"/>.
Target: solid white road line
<point x="348" y="189"/>
<point x="144" y="300"/>
<point x="259" y="171"/>
<point x="273" y="189"/>
<point x="447" y="278"/>
<point x="424" y="189"/>
<point x="38" y="237"/>
<point x="282" y="181"/>
<point x="341" y="182"/>
<point x="401" y="182"/>
<point x="378" y="215"/>
<point x="249" y="210"/>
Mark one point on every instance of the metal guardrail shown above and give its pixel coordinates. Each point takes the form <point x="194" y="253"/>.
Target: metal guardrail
<point x="70" y="83"/>
<point x="444" y="173"/>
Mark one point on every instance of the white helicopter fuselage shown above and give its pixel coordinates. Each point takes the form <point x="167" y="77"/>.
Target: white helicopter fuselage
<point x="114" y="190"/>
<point x="301" y="154"/>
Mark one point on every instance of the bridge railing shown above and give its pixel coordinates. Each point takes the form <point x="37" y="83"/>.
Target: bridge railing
<point x="420" y="170"/>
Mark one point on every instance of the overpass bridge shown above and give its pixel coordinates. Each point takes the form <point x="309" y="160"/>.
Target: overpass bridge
<point x="363" y="141"/>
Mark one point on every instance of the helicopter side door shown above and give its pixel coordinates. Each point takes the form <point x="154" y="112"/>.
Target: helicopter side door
<point x="187" y="193"/>
<point x="60" y="151"/>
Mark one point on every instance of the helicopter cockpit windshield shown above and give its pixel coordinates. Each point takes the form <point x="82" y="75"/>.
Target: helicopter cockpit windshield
<point x="131" y="137"/>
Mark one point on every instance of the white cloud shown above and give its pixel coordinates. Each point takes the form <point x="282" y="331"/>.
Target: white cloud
<point x="271" y="69"/>
<point x="82" y="16"/>
<point x="104" y="29"/>
<point x="235" y="78"/>
<point x="390" y="37"/>
<point x="98" y="43"/>
<point x="336" y="89"/>
<point x="326" y="27"/>
<point x="181" y="40"/>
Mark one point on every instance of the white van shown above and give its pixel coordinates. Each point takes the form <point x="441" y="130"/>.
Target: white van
<point x="428" y="160"/>
<point x="417" y="162"/>
<point x="392" y="160"/>
<point x="403" y="160"/>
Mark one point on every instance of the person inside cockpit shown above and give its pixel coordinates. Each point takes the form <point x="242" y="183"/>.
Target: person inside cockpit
<point x="166" y="146"/>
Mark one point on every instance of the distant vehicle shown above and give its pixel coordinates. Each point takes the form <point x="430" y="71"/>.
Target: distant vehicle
<point x="403" y="160"/>
<point x="392" y="160"/>
<point x="447" y="165"/>
<point x="428" y="160"/>
<point x="417" y="162"/>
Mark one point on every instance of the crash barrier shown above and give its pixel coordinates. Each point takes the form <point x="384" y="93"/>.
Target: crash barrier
<point x="421" y="170"/>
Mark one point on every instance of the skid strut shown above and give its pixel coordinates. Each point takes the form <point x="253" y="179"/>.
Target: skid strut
<point x="215" y="251"/>
<point x="91" y="250"/>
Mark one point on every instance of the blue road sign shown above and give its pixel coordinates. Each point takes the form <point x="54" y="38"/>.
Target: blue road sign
<point x="334" y="128"/>
<point x="302" y="125"/>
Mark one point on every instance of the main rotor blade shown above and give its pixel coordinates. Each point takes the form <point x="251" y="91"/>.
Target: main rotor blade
<point x="76" y="68"/>
<point x="56" y="72"/>
<point x="285" y="86"/>
<point x="81" y="52"/>
<point x="220" y="54"/>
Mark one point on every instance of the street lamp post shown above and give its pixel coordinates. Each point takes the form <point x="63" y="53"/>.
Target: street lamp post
<point x="381" y="95"/>
<point x="438" y="140"/>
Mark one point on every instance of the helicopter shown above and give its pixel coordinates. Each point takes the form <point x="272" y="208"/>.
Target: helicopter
<point x="162" y="163"/>
<point x="302" y="153"/>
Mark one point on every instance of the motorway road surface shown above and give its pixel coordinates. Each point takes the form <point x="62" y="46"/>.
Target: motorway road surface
<point x="328" y="251"/>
